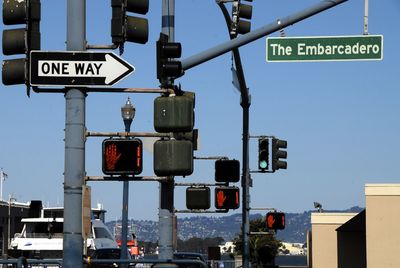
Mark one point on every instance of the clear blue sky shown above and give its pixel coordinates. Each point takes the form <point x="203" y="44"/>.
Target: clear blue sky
<point x="340" y="118"/>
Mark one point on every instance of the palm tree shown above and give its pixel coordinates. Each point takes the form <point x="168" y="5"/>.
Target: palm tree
<point x="263" y="247"/>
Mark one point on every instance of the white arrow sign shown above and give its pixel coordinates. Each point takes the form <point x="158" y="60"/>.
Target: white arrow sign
<point x="77" y="68"/>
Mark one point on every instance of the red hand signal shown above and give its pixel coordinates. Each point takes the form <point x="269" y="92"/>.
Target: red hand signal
<point x="112" y="156"/>
<point x="270" y="221"/>
<point x="221" y="197"/>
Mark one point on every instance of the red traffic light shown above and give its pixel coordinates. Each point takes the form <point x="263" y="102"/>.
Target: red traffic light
<point x="275" y="220"/>
<point x="122" y="156"/>
<point x="226" y="198"/>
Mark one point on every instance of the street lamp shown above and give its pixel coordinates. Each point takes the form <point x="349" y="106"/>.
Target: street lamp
<point x="11" y="199"/>
<point x="127" y="113"/>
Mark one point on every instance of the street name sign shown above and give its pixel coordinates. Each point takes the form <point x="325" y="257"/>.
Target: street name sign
<point x="48" y="68"/>
<point x="329" y="48"/>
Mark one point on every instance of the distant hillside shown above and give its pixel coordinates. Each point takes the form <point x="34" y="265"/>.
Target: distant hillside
<point x="226" y="227"/>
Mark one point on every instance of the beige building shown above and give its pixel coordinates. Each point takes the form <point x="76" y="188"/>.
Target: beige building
<point x="383" y="225"/>
<point x="370" y="238"/>
<point x="324" y="238"/>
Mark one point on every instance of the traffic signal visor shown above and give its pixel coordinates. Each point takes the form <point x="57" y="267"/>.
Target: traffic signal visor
<point x="278" y="154"/>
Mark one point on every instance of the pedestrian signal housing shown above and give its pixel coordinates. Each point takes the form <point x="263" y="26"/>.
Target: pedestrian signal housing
<point x="227" y="170"/>
<point x="275" y="220"/>
<point x="198" y="198"/>
<point x="227" y="198"/>
<point x="122" y="156"/>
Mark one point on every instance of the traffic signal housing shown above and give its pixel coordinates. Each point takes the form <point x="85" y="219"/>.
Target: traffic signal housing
<point x="227" y="170"/>
<point x="278" y="154"/>
<point x="129" y="28"/>
<point x="198" y="197"/>
<point x="275" y="220"/>
<point x="174" y="113"/>
<point x="122" y="156"/>
<point x="227" y="198"/>
<point x="167" y="64"/>
<point x="20" y="40"/>
<point x="173" y="158"/>
<point x="239" y="13"/>
<point x="263" y="154"/>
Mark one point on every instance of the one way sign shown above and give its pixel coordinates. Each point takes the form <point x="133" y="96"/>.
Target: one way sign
<point x="49" y="68"/>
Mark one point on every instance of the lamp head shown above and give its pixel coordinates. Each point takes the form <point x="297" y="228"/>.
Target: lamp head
<point x="128" y="111"/>
<point x="318" y="206"/>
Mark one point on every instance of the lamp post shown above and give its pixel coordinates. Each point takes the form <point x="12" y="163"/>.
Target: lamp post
<point x="11" y="199"/>
<point x="127" y="113"/>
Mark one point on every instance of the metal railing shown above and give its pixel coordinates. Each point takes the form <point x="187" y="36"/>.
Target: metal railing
<point x="23" y="262"/>
<point x="139" y="263"/>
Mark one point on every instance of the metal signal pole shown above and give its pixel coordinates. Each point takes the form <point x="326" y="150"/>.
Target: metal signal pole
<point x="166" y="209"/>
<point x="74" y="167"/>
<point x="245" y="103"/>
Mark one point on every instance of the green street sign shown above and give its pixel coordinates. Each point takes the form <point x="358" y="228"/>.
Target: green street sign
<point x="329" y="48"/>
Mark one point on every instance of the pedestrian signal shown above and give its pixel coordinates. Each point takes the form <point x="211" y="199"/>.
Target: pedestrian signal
<point x="275" y="220"/>
<point x="122" y="156"/>
<point x="226" y="197"/>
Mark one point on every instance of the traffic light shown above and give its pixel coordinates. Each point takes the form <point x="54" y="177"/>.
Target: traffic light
<point x="198" y="197"/>
<point x="167" y="53"/>
<point x="20" y="40"/>
<point x="129" y="28"/>
<point x="227" y="170"/>
<point x="226" y="197"/>
<point x="122" y="156"/>
<point x="263" y="154"/>
<point x="275" y="220"/>
<point x="278" y="154"/>
<point x="174" y="113"/>
<point x="240" y="12"/>
<point x="173" y="158"/>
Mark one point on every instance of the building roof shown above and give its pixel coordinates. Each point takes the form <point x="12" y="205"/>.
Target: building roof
<point x="355" y="224"/>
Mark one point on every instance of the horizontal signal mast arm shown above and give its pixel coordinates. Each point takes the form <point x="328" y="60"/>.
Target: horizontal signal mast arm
<point x="257" y="34"/>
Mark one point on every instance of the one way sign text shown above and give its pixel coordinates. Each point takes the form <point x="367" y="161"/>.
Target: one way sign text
<point x="77" y="68"/>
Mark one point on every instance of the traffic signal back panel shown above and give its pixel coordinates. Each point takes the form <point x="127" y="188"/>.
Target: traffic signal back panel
<point x="227" y="170"/>
<point x="198" y="198"/>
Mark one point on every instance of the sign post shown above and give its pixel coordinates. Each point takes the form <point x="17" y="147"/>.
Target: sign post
<point x="332" y="48"/>
<point x="77" y="68"/>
